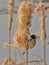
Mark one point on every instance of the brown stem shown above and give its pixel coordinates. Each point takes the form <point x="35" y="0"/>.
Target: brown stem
<point x="44" y="53"/>
<point x="27" y="54"/>
<point x="15" y="54"/>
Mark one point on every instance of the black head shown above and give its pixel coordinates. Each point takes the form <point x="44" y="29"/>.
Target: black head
<point x="33" y="36"/>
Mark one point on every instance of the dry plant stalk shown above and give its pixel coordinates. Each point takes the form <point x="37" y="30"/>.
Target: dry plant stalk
<point x="10" y="20"/>
<point x="43" y="30"/>
<point x="40" y="8"/>
<point x="43" y="34"/>
<point x="10" y="13"/>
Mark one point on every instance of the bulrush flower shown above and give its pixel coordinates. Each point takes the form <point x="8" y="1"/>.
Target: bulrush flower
<point x="22" y="35"/>
<point x="25" y="12"/>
